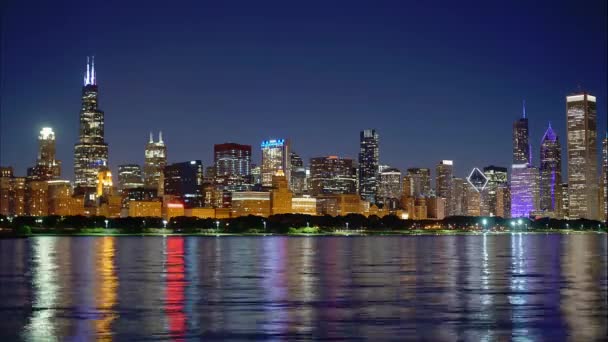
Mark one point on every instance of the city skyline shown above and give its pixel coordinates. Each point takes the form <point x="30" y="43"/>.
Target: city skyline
<point x="378" y="89"/>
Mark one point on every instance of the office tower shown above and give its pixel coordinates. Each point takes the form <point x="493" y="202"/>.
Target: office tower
<point x="565" y="199"/>
<point x="503" y="201"/>
<point x="104" y="182"/>
<point x="497" y="177"/>
<point x="550" y="171"/>
<point x="458" y="193"/>
<point x="91" y="151"/>
<point x="369" y="155"/>
<point x="12" y="193"/>
<point x="232" y="166"/>
<point x="298" y="175"/>
<point x="280" y="195"/>
<point x="275" y="157"/>
<point x="36" y="198"/>
<point x="474" y="192"/>
<point x="421" y="181"/>
<point x="390" y="188"/>
<point x="155" y="162"/>
<point x="524" y="190"/>
<point x="521" y="145"/>
<point x="332" y="175"/>
<point x="47" y="166"/>
<point x="256" y="175"/>
<point x="582" y="156"/>
<point x="6" y="175"/>
<point x="604" y="178"/>
<point x="184" y="181"/>
<point x="60" y="197"/>
<point x="443" y="183"/>
<point x="129" y="177"/>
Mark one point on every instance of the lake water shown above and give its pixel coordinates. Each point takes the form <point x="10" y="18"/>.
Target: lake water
<point x="439" y="288"/>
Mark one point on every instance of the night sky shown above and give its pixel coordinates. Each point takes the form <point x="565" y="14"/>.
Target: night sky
<point x="438" y="81"/>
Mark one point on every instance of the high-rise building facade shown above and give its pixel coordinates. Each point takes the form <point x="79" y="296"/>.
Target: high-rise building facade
<point x="298" y="183"/>
<point x="130" y="177"/>
<point x="604" y="180"/>
<point x="275" y="157"/>
<point x="332" y="175"/>
<point x="524" y="190"/>
<point x="185" y="182"/>
<point x="581" y="124"/>
<point x="232" y="166"/>
<point x="47" y="166"/>
<point x="155" y="162"/>
<point x="521" y="144"/>
<point x="91" y="151"/>
<point x="550" y="172"/>
<point x="369" y="157"/>
<point x="443" y="183"/>
<point x="458" y="192"/>
<point x="421" y="181"/>
<point x="390" y="188"/>
<point x="497" y="178"/>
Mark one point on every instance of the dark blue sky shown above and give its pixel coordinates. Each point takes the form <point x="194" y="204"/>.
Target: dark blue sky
<point x="438" y="80"/>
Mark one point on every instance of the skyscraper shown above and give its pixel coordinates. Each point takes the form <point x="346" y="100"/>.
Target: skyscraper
<point x="47" y="166"/>
<point x="129" y="177"/>
<point x="232" y="166"/>
<point x="155" y="162"/>
<point x="91" y="151"/>
<point x="185" y="181"/>
<point x="604" y="178"/>
<point x="521" y="144"/>
<point x="524" y="190"/>
<point x="550" y="171"/>
<point x="332" y="175"/>
<point x="524" y="177"/>
<point x="275" y="157"/>
<point x="369" y="155"/>
<point x="497" y="179"/>
<point x="421" y="181"/>
<point x="581" y="118"/>
<point x="443" y="182"/>
<point x="390" y="188"/>
<point x="298" y="175"/>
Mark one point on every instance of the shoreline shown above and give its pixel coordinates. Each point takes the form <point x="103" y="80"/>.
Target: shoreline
<point x="353" y="233"/>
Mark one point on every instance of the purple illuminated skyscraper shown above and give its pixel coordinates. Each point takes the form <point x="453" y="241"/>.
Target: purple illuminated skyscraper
<point x="524" y="177"/>
<point x="550" y="172"/>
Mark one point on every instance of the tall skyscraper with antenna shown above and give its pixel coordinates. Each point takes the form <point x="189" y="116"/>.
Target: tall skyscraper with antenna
<point x="91" y="151"/>
<point x="521" y="144"/>
<point x="155" y="162"/>
<point x="524" y="177"/>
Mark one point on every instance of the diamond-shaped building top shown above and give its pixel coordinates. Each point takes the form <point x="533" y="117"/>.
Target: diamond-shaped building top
<point x="477" y="179"/>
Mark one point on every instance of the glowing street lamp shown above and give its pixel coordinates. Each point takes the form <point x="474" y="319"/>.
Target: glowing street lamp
<point x="106" y="222"/>
<point x="484" y="222"/>
<point x="217" y="225"/>
<point x="165" y="224"/>
<point x="346" y="225"/>
<point x="264" y="223"/>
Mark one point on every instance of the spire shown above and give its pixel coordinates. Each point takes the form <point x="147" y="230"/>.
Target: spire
<point x="87" y="78"/>
<point x="524" y="109"/>
<point x="151" y="138"/>
<point x="93" y="81"/>
<point x="550" y="134"/>
<point x="160" y="137"/>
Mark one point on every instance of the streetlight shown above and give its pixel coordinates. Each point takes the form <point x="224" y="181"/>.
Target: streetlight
<point x="346" y="225"/>
<point x="165" y="224"/>
<point x="217" y="225"/>
<point x="106" y="221"/>
<point x="307" y="224"/>
<point x="264" y="223"/>
<point x="484" y="222"/>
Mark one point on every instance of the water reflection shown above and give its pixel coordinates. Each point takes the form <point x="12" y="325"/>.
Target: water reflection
<point x="471" y="287"/>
